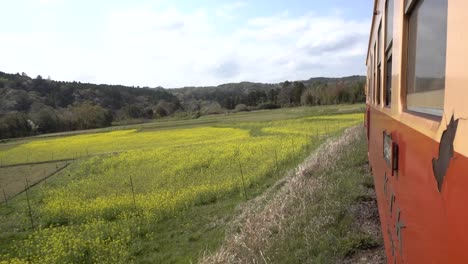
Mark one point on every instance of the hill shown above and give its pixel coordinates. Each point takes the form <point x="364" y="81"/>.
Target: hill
<point x="30" y="106"/>
<point x="249" y="95"/>
<point x="37" y="105"/>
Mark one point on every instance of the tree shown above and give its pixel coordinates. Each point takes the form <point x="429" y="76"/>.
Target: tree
<point x="344" y="96"/>
<point x="241" y="108"/>
<point x="23" y="103"/>
<point x="40" y="85"/>
<point x="162" y="109"/>
<point x="296" y="92"/>
<point x="89" y="115"/>
<point x="148" y="113"/>
<point x="273" y="96"/>
<point x="47" y="120"/>
<point x="134" y="111"/>
<point x="308" y="97"/>
<point x="14" y="125"/>
<point x="64" y="96"/>
<point x="284" y="95"/>
<point x="210" y="108"/>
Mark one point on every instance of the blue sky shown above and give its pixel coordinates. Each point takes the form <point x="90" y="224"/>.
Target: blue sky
<point x="183" y="43"/>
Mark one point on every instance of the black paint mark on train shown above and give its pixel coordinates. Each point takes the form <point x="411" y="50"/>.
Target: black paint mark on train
<point x="441" y="164"/>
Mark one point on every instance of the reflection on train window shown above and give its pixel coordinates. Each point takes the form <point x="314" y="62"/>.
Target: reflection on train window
<point x="379" y="43"/>
<point x="389" y="23"/>
<point x="379" y="62"/>
<point x="371" y="90"/>
<point x="369" y="84"/>
<point x="388" y="85"/>
<point x="374" y="99"/>
<point x="379" y="87"/>
<point x="427" y="41"/>
<point x="388" y="52"/>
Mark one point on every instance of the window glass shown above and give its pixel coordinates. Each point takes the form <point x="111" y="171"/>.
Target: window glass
<point x="427" y="39"/>
<point x="379" y="88"/>
<point x="379" y="43"/>
<point x="388" y="55"/>
<point x="389" y="23"/>
<point x="374" y="100"/>
<point x="371" y="90"/>
<point x="388" y="84"/>
<point x="368" y="86"/>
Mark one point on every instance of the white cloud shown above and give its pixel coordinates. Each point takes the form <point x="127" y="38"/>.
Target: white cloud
<point x="227" y="10"/>
<point x="168" y="47"/>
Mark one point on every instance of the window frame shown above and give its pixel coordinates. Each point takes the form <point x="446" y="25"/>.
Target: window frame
<point x="409" y="5"/>
<point x="374" y="72"/>
<point x="388" y="53"/>
<point x="389" y="44"/>
<point x="379" y="65"/>
<point x="371" y="88"/>
<point x="388" y="79"/>
<point x="379" y="84"/>
<point x="427" y="113"/>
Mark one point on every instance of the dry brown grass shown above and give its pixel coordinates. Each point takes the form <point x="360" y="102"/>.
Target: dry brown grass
<point x="13" y="179"/>
<point x="267" y="217"/>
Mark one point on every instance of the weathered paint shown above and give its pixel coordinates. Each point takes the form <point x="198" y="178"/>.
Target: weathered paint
<point x="419" y="223"/>
<point x="423" y="206"/>
<point x="441" y="164"/>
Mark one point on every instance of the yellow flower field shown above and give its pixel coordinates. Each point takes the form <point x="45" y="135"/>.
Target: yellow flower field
<point x="92" y="212"/>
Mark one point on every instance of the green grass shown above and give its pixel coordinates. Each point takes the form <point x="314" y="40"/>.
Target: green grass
<point x="86" y="212"/>
<point x="327" y="231"/>
<point x="209" y="120"/>
<point x="182" y="238"/>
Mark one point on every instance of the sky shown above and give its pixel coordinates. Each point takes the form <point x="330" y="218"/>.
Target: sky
<point x="173" y="43"/>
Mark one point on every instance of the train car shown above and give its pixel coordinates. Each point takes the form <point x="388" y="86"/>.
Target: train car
<point x="417" y="127"/>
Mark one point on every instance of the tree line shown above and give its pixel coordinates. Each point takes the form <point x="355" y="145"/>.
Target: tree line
<point x="253" y="96"/>
<point x="30" y="106"/>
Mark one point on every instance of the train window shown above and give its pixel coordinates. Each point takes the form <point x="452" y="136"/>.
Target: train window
<point x="368" y="87"/>
<point x="427" y="42"/>
<point x="388" y="23"/>
<point x="388" y="52"/>
<point x="371" y="89"/>
<point x="379" y="62"/>
<point x="379" y="43"/>
<point x="388" y="84"/>
<point x="374" y="99"/>
<point x="379" y="73"/>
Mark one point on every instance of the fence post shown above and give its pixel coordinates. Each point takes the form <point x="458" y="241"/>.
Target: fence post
<point x="29" y="204"/>
<point x="133" y="191"/>
<point x="276" y="161"/>
<point x="5" y="197"/>
<point x="242" y="178"/>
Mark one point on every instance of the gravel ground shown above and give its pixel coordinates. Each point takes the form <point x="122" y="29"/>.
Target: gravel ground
<point x="366" y="215"/>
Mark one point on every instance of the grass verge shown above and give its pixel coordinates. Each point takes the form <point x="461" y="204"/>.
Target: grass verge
<point x="310" y="217"/>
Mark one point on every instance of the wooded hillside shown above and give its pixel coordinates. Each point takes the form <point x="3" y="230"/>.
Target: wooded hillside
<point x="30" y="106"/>
<point x="252" y="96"/>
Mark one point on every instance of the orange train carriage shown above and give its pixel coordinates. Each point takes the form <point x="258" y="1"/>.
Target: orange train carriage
<point x="417" y="125"/>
